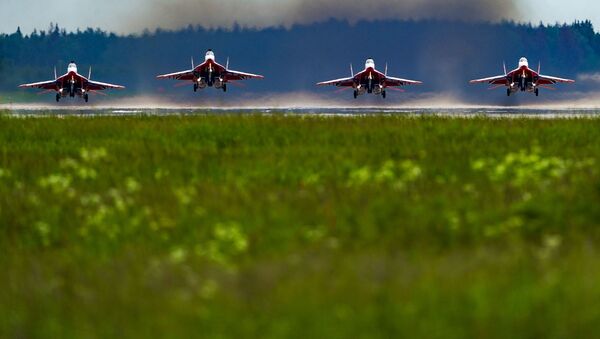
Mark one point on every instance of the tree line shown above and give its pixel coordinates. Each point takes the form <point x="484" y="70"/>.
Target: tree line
<point x="442" y="53"/>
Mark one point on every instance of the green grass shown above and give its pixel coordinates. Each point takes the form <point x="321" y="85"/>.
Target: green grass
<point x="299" y="227"/>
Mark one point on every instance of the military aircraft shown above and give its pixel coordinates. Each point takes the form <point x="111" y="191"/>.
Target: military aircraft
<point x="72" y="84"/>
<point x="523" y="79"/>
<point x="370" y="80"/>
<point x="210" y="74"/>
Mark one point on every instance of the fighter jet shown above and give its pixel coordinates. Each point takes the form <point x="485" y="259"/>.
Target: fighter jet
<point x="523" y="79"/>
<point x="210" y="74"/>
<point x="370" y="80"/>
<point x="72" y="84"/>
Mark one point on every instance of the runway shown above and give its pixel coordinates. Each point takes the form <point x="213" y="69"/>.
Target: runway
<point x="492" y="112"/>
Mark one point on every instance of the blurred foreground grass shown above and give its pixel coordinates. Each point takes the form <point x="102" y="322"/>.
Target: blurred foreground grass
<point x="298" y="227"/>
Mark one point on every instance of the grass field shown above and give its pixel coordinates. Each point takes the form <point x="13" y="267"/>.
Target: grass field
<point x="299" y="227"/>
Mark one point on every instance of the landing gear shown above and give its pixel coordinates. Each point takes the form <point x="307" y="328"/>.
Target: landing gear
<point x="537" y="92"/>
<point x="224" y="87"/>
<point x="355" y="94"/>
<point x="383" y="94"/>
<point x="508" y="92"/>
<point x="195" y="87"/>
<point x="86" y="97"/>
<point x="57" y="97"/>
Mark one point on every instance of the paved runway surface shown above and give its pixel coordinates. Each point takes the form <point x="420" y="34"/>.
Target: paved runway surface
<point x="501" y="112"/>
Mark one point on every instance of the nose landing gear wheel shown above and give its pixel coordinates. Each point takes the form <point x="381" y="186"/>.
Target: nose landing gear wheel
<point x="355" y="94"/>
<point x="86" y="97"/>
<point x="224" y="87"/>
<point x="195" y="87"/>
<point x="508" y="92"/>
<point x="57" y="97"/>
<point x="383" y="94"/>
<point x="537" y="92"/>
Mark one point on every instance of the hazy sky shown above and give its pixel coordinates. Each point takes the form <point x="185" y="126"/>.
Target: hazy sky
<point x="127" y="16"/>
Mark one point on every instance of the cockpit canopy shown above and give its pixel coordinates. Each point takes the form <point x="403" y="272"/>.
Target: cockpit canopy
<point x="370" y="63"/>
<point x="523" y="62"/>
<point x="210" y="55"/>
<point x="72" y="67"/>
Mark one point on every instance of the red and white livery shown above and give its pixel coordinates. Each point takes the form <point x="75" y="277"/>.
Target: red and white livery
<point x="523" y="79"/>
<point x="210" y="74"/>
<point x="72" y="84"/>
<point x="370" y="80"/>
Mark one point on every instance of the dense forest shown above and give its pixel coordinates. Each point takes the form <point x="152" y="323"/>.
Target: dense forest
<point x="443" y="54"/>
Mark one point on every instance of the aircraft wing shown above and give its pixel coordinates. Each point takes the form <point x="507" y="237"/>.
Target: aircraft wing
<point x="548" y="80"/>
<point x="497" y="80"/>
<point x="235" y="75"/>
<point x="343" y="82"/>
<point x="391" y="81"/>
<point x="184" y="75"/>
<point x="99" y="86"/>
<point x="50" y="84"/>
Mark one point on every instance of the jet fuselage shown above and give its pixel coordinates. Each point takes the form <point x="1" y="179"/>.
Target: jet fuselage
<point x="370" y="80"/>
